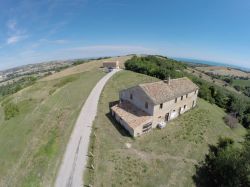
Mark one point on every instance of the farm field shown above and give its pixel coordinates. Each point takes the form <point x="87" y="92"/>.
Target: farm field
<point x="241" y="83"/>
<point x="224" y="71"/>
<point x="33" y="142"/>
<point x="164" y="157"/>
<point x="205" y="77"/>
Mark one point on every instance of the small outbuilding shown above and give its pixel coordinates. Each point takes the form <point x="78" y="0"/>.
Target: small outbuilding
<point x="111" y="65"/>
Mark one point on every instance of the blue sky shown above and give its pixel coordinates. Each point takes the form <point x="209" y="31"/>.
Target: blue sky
<point x="33" y="31"/>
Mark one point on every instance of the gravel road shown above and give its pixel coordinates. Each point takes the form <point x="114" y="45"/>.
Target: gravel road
<point x="75" y="157"/>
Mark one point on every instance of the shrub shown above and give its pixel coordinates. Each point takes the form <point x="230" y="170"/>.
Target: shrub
<point x="231" y="121"/>
<point x="10" y="110"/>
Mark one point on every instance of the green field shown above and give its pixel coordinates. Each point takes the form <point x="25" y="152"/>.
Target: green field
<point x="241" y="83"/>
<point x="33" y="142"/>
<point x="164" y="157"/>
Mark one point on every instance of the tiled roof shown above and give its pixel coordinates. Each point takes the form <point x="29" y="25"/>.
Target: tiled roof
<point x="162" y="91"/>
<point x="132" y="115"/>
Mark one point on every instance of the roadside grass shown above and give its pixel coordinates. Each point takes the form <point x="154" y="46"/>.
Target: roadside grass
<point x="164" y="157"/>
<point x="33" y="142"/>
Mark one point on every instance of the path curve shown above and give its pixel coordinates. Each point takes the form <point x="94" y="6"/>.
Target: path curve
<point x="75" y="157"/>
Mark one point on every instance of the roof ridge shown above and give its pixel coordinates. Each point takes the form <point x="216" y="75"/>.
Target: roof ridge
<point x="142" y="84"/>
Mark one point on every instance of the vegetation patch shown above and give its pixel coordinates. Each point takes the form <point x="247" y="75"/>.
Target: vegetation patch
<point x="14" y="87"/>
<point x="231" y="121"/>
<point x="10" y="110"/>
<point x="225" y="165"/>
<point x="160" y="67"/>
<point x="65" y="81"/>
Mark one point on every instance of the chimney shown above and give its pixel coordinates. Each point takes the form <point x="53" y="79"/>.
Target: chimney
<point x="168" y="80"/>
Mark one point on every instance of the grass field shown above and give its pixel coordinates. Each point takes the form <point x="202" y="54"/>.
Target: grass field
<point x="88" y="66"/>
<point x="164" y="157"/>
<point x="241" y="83"/>
<point x="33" y="142"/>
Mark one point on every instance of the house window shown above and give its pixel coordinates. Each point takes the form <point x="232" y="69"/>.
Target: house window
<point x="161" y="105"/>
<point x="148" y="125"/>
<point x="175" y="100"/>
<point x="131" y="96"/>
<point x="185" y="106"/>
<point x="146" y="104"/>
<point x="186" y="95"/>
<point x="181" y="97"/>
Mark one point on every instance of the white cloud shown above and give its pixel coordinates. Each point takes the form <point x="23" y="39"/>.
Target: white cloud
<point x="99" y="50"/>
<point x="15" y="34"/>
<point x="11" y="24"/>
<point x="59" y="41"/>
<point x="15" y="38"/>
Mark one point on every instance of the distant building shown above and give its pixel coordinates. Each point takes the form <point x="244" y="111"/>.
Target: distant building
<point x="111" y="65"/>
<point x="151" y="105"/>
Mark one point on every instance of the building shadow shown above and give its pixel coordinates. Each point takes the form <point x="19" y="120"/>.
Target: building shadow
<point x="118" y="127"/>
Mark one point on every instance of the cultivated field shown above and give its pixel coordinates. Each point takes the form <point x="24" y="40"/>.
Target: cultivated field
<point x="164" y="157"/>
<point x="224" y="71"/>
<point x="205" y="77"/>
<point x="33" y="142"/>
<point x="241" y="83"/>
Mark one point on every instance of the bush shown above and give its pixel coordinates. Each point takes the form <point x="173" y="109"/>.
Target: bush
<point x="237" y="87"/>
<point x="10" y="110"/>
<point x="231" y="121"/>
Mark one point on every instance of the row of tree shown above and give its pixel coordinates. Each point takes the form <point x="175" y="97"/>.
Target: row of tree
<point x="235" y="104"/>
<point x="159" y="67"/>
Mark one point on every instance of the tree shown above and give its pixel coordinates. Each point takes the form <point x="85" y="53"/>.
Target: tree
<point x="225" y="165"/>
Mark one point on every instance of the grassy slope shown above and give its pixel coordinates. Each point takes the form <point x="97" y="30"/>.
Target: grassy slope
<point x="33" y="142"/>
<point x="159" y="158"/>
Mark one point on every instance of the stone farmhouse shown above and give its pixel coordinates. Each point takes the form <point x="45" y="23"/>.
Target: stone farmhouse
<point x="111" y="65"/>
<point x="146" y="106"/>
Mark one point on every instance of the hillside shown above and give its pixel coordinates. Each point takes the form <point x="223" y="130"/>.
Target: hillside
<point x="160" y="158"/>
<point x="40" y="120"/>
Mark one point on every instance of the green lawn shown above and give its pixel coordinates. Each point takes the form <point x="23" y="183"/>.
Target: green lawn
<point x="241" y="83"/>
<point x="32" y="143"/>
<point x="164" y="157"/>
